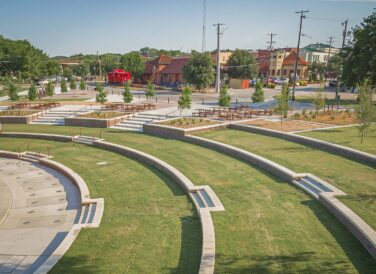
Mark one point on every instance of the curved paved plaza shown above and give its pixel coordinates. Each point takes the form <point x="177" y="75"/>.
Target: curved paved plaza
<point x="38" y="206"/>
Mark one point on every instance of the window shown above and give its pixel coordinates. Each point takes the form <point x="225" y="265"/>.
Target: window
<point x="284" y="72"/>
<point x="273" y="72"/>
<point x="279" y="72"/>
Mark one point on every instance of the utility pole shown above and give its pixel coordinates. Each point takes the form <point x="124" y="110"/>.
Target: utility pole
<point x="204" y="28"/>
<point x="99" y="65"/>
<point x="328" y="64"/>
<point x="344" y="34"/>
<point x="218" y="75"/>
<point x="271" y="42"/>
<point x="302" y="16"/>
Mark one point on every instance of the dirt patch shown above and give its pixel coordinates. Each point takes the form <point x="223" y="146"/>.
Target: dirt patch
<point x="287" y="125"/>
<point x="338" y="118"/>
<point x="188" y="123"/>
<point x="102" y="114"/>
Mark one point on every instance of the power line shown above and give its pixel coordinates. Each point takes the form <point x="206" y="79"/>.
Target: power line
<point x="302" y="16"/>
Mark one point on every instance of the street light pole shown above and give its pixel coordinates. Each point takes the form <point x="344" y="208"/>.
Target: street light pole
<point x="302" y="16"/>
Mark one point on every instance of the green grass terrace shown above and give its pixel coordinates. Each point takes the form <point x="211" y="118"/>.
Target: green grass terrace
<point x="268" y="226"/>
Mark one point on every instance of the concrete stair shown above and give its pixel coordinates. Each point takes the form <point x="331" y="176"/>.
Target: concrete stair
<point x="56" y="116"/>
<point x="136" y="122"/>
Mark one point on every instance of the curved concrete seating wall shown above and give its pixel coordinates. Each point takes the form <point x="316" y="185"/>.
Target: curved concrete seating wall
<point x="315" y="143"/>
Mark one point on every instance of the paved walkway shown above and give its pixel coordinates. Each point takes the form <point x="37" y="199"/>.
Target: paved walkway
<point x="38" y="206"/>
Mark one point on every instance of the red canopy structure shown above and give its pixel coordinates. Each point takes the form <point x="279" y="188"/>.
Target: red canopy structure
<point x="118" y="77"/>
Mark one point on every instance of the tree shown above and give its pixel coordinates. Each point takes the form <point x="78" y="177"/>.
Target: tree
<point x="50" y="89"/>
<point x="53" y="68"/>
<point x="13" y="94"/>
<point x="101" y="96"/>
<point x="365" y="112"/>
<point x="150" y="89"/>
<point x="319" y="101"/>
<point x="73" y="84"/>
<point x="360" y="54"/>
<point x="283" y="102"/>
<point x="133" y="63"/>
<point x="258" y="95"/>
<point x="185" y="99"/>
<point x="63" y="86"/>
<point x="224" y="99"/>
<point x="127" y="95"/>
<point x="199" y="71"/>
<point x="82" y="84"/>
<point x="242" y="65"/>
<point x="68" y="72"/>
<point x="33" y="93"/>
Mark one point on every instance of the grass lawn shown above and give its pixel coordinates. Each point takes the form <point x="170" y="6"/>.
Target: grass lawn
<point x="268" y="226"/>
<point x="149" y="224"/>
<point x="355" y="179"/>
<point x="342" y="102"/>
<point x="348" y="136"/>
<point x="5" y="91"/>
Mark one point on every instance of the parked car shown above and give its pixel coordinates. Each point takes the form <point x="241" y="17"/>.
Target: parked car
<point x="333" y="83"/>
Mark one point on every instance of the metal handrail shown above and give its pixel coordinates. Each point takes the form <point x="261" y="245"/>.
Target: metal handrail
<point x="79" y="110"/>
<point x="175" y="110"/>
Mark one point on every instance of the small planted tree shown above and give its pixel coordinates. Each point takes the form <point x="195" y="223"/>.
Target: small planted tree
<point x="73" y="84"/>
<point x="13" y="95"/>
<point x="150" y="89"/>
<point x="82" y="84"/>
<point x="101" y="96"/>
<point x="283" y="102"/>
<point x="63" y="86"/>
<point x="33" y="93"/>
<point x="365" y="112"/>
<point x="185" y="99"/>
<point x="224" y="99"/>
<point x="50" y="89"/>
<point x="319" y="101"/>
<point x="127" y="95"/>
<point x="258" y="95"/>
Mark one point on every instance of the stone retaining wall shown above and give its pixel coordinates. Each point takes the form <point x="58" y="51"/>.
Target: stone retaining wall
<point x="343" y="151"/>
<point x="19" y="119"/>
<point x="92" y="122"/>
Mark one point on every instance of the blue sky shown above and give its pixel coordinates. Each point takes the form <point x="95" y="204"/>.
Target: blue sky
<point x="85" y="26"/>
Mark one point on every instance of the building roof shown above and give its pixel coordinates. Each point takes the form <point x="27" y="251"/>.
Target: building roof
<point x="176" y="66"/>
<point x="317" y="46"/>
<point x="290" y="59"/>
<point x="160" y="60"/>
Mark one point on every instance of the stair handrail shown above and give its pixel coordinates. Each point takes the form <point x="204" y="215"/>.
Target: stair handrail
<point x="79" y="110"/>
<point x="175" y="110"/>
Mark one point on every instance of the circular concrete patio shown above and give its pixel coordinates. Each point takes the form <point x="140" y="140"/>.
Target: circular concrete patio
<point x="38" y="207"/>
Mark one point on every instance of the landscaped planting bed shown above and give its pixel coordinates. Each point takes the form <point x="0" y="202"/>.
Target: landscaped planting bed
<point x="339" y="118"/>
<point x="286" y="126"/>
<point x="17" y="112"/>
<point x="268" y="226"/>
<point x="188" y="123"/>
<point x="355" y="179"/>
<point x="102" y="114"/>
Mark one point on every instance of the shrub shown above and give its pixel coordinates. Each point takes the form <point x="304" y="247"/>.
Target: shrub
<point x="33" y="93"/>
<point x="127" y="95"/>
<point x="50" y="89"/>
<point x="150" y="89"/>
<point x="101" y="96"/>
<point x="82" y="84"/>
<point x="224" y="99"/>
<point x="73" y="84"/>
<point x="13" y="95"/>
<point x="304" y="111"/>
<point x="296" y="115"/>
<point x="258" y="95"/>
<point x="63" y="86"/>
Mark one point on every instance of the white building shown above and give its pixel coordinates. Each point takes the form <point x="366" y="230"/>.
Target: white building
<point x="317" y="53"/>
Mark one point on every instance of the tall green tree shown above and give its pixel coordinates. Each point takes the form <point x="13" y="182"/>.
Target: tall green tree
<point x="63" y="86"/>
<point x="199" y="71"/>
<point x="258" y="95"/>
<point x="33" y="93"/>
<point x="127" y="95"/>
<point x="50" y="89"/>
<point x="360" y="54"/>
<point x="53" y="68"/>
<point x="13" y="94"/>
<point x="73" y="84"/>
<point x="133" y="63"/>
<point x="185" y="99"/>
<point x="365" y="111"/>
<point x="283" y="102"/>
<point x="101" y="94"/>
<point x="82" y="84"/>
<point x="242" y="65"/>
<point x="224" y="99"/>
<point x="150" y="89"/>
<point x="68" y="73"/>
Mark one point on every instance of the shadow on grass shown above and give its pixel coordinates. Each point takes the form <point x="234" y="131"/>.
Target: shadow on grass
<point x="78" y="264"/>
<point x="303" y="262"/>
<point x="354" y="250"/>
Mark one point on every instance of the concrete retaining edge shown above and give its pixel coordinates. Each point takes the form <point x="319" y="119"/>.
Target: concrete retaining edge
<point x="343" y="151"/>
<point x="208" y="234"/>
